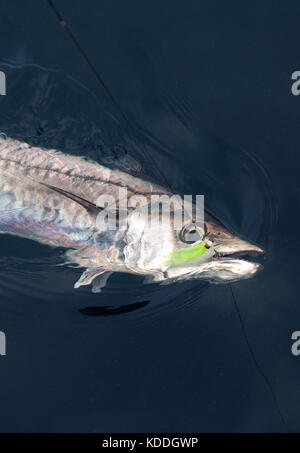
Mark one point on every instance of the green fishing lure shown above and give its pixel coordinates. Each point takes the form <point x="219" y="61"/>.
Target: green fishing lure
<point x="203" y="249"/>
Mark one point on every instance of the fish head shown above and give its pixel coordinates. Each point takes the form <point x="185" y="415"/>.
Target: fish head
<point x="211" y="252"/>
<point x="220" y="262"/>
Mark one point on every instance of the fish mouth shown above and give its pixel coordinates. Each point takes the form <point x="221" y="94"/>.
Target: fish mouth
<point x="229" y="244"/>
<point x="227" y="264"/>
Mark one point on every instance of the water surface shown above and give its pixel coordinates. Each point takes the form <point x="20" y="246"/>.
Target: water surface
<point x="207" y="89"/>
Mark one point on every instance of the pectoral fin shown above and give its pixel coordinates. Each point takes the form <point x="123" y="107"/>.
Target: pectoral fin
<point x="100" y="282"/>
<point x="89" y="275"/>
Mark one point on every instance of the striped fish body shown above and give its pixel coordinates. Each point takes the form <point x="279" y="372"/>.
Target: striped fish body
<point x="53" y="197"/>
<point x="30" y="208"/>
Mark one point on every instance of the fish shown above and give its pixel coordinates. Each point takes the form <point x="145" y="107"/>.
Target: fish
<point x="53" y="197"/>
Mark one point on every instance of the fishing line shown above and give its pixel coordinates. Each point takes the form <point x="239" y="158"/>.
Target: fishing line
<point x="257" y="365"/>
<point x="106" y="88"/>
<point x="132" y="128"/>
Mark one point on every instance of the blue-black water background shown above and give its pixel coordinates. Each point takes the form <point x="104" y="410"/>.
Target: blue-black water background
<point x="207" y="86"/>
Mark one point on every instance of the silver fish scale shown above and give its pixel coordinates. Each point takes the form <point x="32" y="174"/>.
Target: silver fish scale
<point x="30" y="209"/>
<point x="37" y="212"/>
<point x="83" y="178"/>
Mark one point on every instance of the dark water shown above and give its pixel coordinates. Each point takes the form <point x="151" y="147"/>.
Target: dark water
<point x="207" y="86"/>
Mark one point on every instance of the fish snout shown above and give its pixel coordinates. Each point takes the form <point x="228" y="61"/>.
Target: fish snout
<point x="231" y="245"/>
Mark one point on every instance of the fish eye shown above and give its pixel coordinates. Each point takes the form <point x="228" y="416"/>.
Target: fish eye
<point x="190" y="233"/>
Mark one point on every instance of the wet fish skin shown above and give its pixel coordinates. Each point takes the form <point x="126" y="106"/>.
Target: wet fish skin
<point x="78" y="175"/>
<point x="34" y="184"/>
<point x="31" y="210"/>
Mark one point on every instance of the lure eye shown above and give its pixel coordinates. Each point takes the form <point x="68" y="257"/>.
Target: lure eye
<point x="190" y="233"/>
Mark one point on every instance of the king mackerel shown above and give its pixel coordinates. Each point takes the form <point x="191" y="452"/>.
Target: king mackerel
<point x="53" y="198"/>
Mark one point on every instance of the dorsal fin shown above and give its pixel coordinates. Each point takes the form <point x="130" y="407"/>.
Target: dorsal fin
<point x="91" y="207"/>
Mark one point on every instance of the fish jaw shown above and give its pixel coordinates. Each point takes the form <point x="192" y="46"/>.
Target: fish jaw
<point x="225" y="270"/>
<point x="217" y="271"/>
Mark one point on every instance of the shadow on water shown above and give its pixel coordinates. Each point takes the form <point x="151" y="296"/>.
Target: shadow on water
<point x="109" y="310"/>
